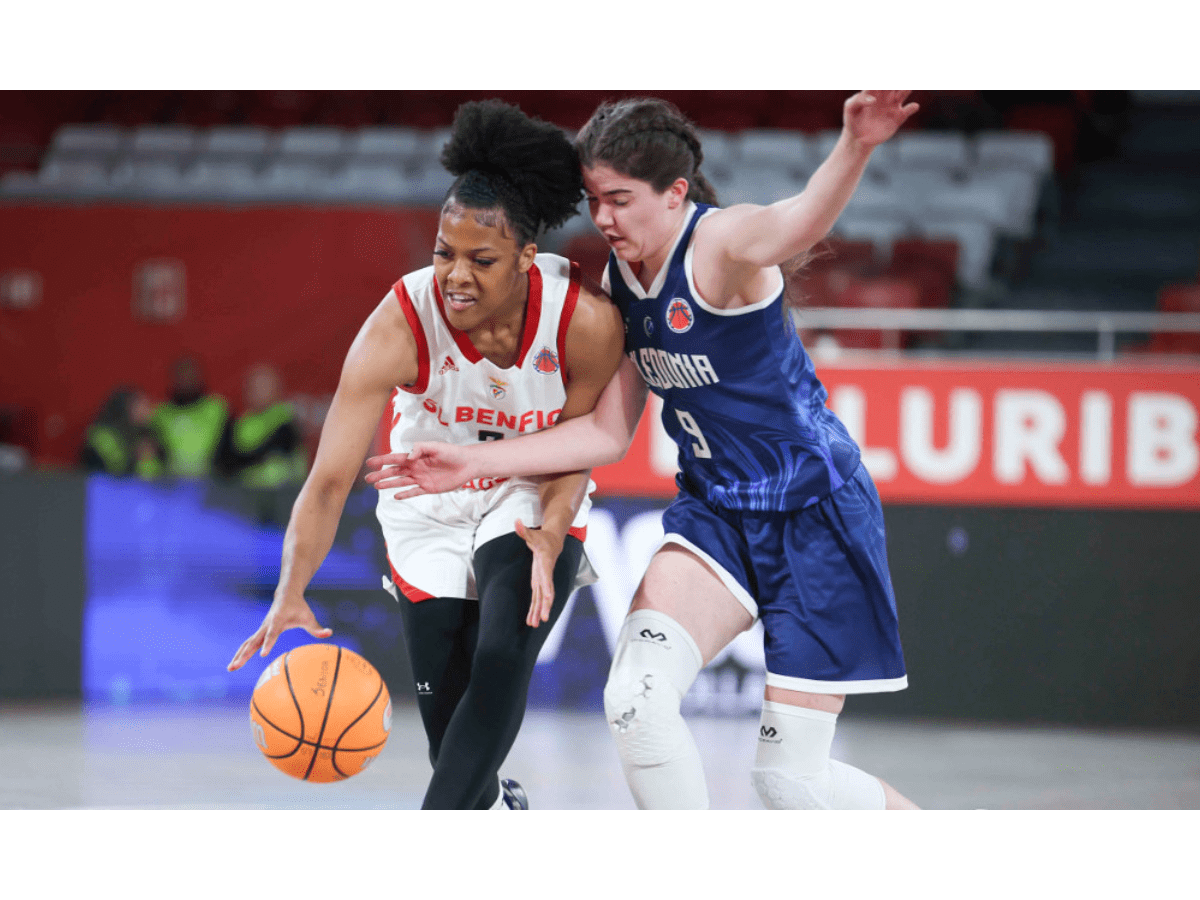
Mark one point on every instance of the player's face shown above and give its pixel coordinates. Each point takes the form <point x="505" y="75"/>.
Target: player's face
<point x="480" y="269"/>
<point x="637" y="221"/>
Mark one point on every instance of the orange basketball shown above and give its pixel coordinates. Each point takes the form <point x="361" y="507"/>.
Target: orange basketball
<point x="320" y="713"/>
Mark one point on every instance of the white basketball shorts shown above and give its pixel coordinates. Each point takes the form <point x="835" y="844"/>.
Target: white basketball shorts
<point x="431" y="540"/>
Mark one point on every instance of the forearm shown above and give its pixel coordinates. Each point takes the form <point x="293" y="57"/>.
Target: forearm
<point x="561" y="497"/>
<point x="809" y="216"/>
<point x="310" y="533"/>
<point x="580" y="443"/>
<point x="596" y="439"/>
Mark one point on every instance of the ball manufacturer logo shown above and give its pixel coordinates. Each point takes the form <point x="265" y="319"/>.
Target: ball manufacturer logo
<point x="679" y="316"/>
<point x="260" y="736"/>
<point x="323" y="681"/>
<point x="546" y="361"/>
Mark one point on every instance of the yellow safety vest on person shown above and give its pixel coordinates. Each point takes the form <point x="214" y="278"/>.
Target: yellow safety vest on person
<point x="190" y="433"/>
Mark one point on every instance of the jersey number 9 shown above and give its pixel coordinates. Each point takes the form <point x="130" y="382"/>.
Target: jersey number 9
<point x="700" y="449"/>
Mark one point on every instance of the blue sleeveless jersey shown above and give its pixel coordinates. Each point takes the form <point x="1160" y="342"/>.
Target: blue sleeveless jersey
<point x="740" y="396"/>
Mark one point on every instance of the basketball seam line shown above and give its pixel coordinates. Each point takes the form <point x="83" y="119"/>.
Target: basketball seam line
<point x="295" y="701"/>
<point x="302" y="742"/>
<point x="325" y="721"/>
<point x="334" y="749"/>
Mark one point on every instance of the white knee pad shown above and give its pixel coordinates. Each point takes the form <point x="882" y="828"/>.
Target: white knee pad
<point x="654" y="664"/>
<point x="793" y="770"/>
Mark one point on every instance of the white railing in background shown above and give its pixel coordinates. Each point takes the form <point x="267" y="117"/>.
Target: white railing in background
<point x="1106" y="325"/>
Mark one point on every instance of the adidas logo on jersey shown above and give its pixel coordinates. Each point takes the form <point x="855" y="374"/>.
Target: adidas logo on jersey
<point x="448" y="366"/>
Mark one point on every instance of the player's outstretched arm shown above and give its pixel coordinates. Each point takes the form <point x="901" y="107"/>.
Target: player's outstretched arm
<point x="596" y="439"/>
<point x="760" y="237"/>
<point x="383" y="353"/>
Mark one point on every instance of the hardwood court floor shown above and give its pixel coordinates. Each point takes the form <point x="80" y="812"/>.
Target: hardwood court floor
<point x="72" y="756"/>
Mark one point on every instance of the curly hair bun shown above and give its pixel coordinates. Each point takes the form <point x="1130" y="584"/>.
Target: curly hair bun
<point x="530" y="165"/>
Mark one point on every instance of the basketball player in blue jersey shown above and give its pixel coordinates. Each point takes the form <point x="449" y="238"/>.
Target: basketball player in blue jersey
<point x="775" y="518"/>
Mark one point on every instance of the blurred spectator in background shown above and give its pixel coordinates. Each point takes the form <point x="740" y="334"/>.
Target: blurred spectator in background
<point x="120" y="441"/>
<point x="264" y="446"/>
<point x="190" y="423"/>
<point x="14" y="455"/>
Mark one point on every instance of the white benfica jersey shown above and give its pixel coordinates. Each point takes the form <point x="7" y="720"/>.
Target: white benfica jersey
<point x="461" y="397"/>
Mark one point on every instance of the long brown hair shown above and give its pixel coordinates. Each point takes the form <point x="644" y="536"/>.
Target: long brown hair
<point x="647" y="139"/>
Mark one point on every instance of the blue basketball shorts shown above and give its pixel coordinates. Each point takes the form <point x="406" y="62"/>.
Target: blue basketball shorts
<point x="817" y="578"/>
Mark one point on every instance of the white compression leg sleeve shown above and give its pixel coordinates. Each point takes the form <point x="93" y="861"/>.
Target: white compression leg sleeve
<point x="655" y="663"/>
<point x="793" y="770"/>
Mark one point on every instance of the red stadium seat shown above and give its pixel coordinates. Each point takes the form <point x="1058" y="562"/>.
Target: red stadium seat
<point x="1174" y="298"/>
<point x="133" y="108"/>
<point x="347" y="109"/>
<point x="931" y="264"/>
<point x="823" y="278"/>
<point x="880" y="292"/>
<point x="206" y="109"/>
<point x="280" y="109"/>
<point x="1058" y="121"/>
<point x="28" y="120"/>
<point x="724" y="110"/>
<point x="1179" y="298"/>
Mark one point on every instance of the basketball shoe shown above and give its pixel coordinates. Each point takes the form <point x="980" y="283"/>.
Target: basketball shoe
<point x="514" y="794"/>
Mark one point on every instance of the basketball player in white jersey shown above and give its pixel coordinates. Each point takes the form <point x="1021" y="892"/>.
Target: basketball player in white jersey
<point x="493" y="340"/>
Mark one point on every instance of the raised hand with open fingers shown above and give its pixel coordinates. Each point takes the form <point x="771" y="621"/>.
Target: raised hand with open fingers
<point x="282" y="615"/>
<point x="872" y="117"/>
<point x="431" y="468"/>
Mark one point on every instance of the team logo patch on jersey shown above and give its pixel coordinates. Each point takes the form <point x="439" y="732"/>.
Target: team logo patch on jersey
<point x="448" y="366"/>
<point x="679" y="316"/>
<point x="499" y="388"/>
<point x="546" y="361"/>
<point x="648" y="326"/>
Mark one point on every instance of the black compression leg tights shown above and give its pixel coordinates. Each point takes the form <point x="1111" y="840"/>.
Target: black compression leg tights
<point x="440" y="635"/>
<point x="485" y="724"/>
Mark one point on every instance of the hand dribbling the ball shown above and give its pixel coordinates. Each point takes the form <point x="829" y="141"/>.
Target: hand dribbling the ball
<point x="285" y="613"/>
